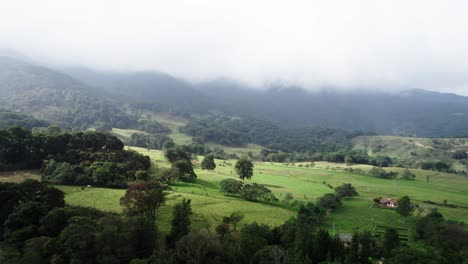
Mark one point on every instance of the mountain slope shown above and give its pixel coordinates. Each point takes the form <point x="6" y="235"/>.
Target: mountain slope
<point x="56" y="97"/>
<point x="146" y="88"/>
<point x="410" y="112"/>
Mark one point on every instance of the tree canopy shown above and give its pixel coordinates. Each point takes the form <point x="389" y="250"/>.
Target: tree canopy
<point x="244" y="168"/>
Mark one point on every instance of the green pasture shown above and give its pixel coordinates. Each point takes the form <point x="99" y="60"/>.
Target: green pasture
<point x="305" y="184"/>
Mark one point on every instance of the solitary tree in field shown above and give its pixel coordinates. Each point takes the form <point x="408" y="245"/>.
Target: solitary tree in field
<point x="233" y="219"/>
<point x="244" y="168"/>
<point x="407" y="175"/>
<point x="404" y="206"/>
<point x="346" y="190"/>
<point x="143" y="199"/>
<point x="208" y="163"/>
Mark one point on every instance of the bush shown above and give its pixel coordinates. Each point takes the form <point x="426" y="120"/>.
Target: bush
<point x="231" y="186"/>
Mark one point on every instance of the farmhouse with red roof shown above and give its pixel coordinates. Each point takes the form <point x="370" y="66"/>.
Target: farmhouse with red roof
<point x="388" y="202"/>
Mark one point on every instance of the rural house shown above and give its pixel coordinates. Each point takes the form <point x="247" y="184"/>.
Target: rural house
<point x="388" y="202"/>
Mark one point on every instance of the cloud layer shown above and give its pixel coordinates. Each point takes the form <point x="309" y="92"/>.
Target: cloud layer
<point x="346" y="44"/>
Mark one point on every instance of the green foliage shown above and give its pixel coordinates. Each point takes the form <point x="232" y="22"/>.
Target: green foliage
<point x="460" y="154"/>
<point x="381" y="173"/>
<point x="150" y="141"/>
<point x="208" y="163"/>
<point x="408" y="175"/>
<point x="152" y="126"/>
<point x="244" y="168"/>
<point x="13" y="194"/>
<point x="182" y="161"/>
<point x="404" y="206"/>
<point x="255" y="192"/>
<point x="143" y="199"/>
<point x="199" y="247"/>
<point x="391" y="241"/>
<point x="180" y="224"/>
<point x="71" y="158"/>
<point x="234" y="218"/>
<point x="253" y="238"/>
<point x="177" y="153"/>
<point x="329" y="201"/>
<point x="185" y="169"/>
<point x="9" y="118"/>
<point x="23" y="222"/>
<point x="231" y="186"/>
<point x="346" y="190"/>
<point x="448" y="239"/>
<point x="240" y="131"/>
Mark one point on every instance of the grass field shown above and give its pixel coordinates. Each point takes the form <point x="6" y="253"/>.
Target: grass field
<point x="412" y="150"/>
<point x="305" y="184"/>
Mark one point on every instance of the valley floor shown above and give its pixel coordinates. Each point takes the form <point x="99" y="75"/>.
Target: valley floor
<point x="305" y="184"/>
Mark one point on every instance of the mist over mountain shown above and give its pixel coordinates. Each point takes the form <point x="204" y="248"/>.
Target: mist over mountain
<point x="145" y="87"/>
<point x="82" y="96"/>
<point x="53" y="96"/>
<point x="410" y="112"/>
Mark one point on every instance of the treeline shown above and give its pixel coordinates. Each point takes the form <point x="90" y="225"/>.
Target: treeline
<point x="9" y="118"/>
<point x="150" y="141"/>
<point x="38" y="228"/>
<point x="71" y="158"/>
<point x="240" y="131"/>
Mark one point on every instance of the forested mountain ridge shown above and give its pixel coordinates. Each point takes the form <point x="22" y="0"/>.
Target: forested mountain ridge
<point x="56" y="97"/>
<point x="410" y="112"/>
<point x="145" y="88"/>
<point x="83" y="98"/>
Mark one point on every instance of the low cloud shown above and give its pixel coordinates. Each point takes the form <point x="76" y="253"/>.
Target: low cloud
<point x="386" y="45"/>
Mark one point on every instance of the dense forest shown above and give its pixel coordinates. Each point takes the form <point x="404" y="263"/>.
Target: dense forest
<point x="71" y="158"/>
<point x="234" y="131"/>
<point x="9" y="118"/>
<point x="39" y="228"/>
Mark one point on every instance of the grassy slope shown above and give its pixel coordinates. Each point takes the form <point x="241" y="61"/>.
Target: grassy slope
<point x="423" y="149"/>
<point x="306" y="184"/>
<point x="174" y="123"/>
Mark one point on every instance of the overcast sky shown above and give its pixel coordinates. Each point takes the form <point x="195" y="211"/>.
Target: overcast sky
<point x="375" y="44"/>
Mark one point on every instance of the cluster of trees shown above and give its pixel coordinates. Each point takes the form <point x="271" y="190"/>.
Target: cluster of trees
<point x="10" y="118"/>
<point x="181" y="161"/>
<point x="240" y="131"/>
<point x="152" y="127"/>
<point x="358" y="156"/>
<point x="382" y="173"/>
<point x="71" y="158"/>
<point x="448" y="239"/>
<point x="250" y="192"/>
<point x="437" y="166"/>
<point x="159" y="141"/>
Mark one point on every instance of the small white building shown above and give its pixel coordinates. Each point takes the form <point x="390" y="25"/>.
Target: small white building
<point x="389" y="202"/>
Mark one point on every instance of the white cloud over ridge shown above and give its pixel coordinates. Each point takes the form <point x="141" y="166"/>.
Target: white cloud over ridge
<point x="372" y="44"/>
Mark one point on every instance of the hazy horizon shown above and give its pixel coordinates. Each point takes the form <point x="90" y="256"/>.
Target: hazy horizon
<point x="370" y="45"/>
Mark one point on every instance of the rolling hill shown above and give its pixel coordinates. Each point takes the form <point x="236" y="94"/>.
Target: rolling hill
<point x="53" y="96"/>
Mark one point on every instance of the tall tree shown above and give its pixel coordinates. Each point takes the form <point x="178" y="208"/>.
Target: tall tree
<point x="233" y="219"/>
<point x="244" y="168"/>
<point x="208" y="163"/>
<point x="346" y="190"/>
<point x="404" y="206"/>
<point x="180" y="221"/>
<point x="143" y="199"/>
<point x="391" y="241"/>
